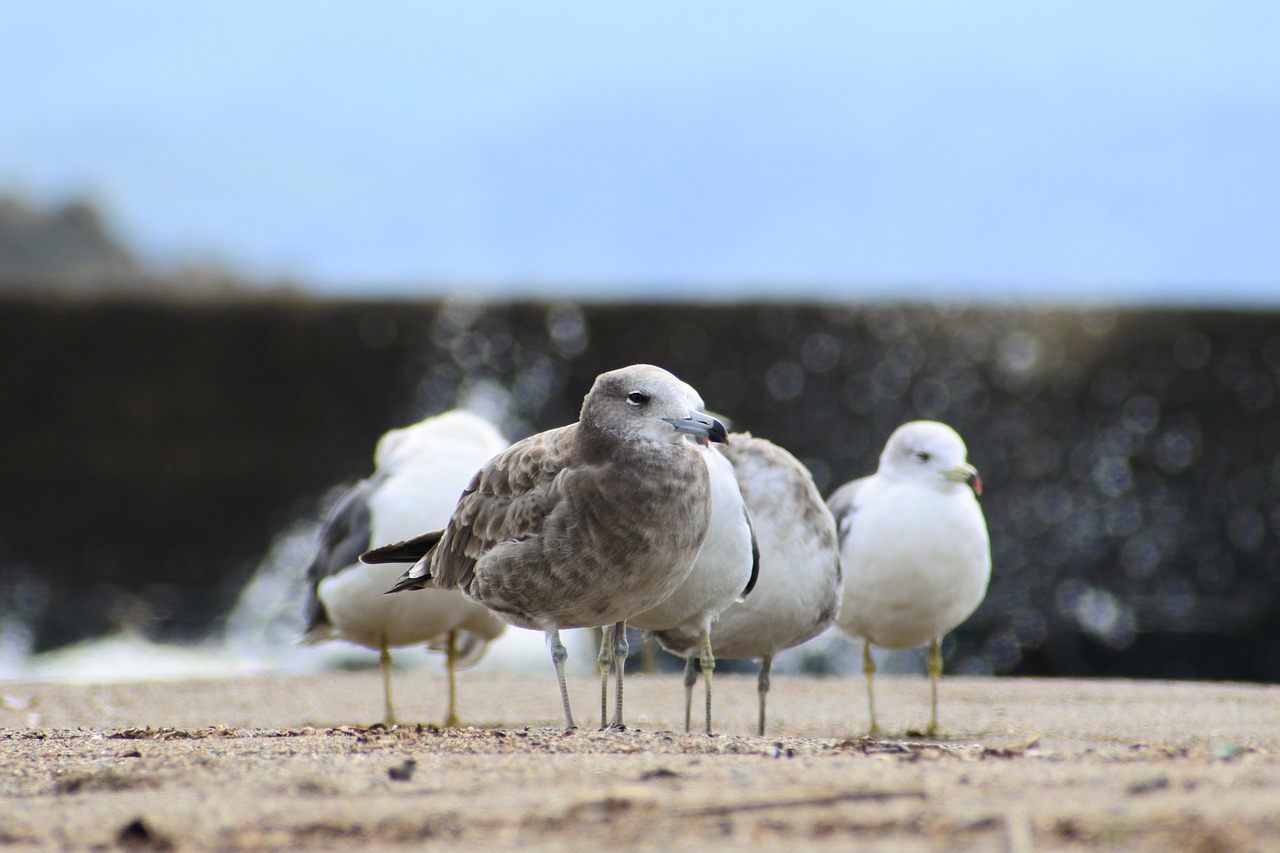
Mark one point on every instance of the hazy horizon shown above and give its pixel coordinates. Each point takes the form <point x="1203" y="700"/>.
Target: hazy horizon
<point x="995" y="151"/>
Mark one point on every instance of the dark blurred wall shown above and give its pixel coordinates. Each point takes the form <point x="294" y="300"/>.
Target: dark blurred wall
<point x="1132" y="458"/>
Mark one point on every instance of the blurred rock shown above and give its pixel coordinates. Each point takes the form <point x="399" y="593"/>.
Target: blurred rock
<point x="69" y="241"/>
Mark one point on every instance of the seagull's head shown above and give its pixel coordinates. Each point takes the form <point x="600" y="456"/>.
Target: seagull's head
<point x="643" y="402"/>
<point x="401" y="448"/>
<point x="930" y="453"/>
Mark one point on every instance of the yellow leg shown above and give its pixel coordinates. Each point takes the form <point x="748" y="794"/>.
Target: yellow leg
<point x="869" y="670"/>
<point x="935" y="672"/>
<point x="762" y="688"/>
<point x="384" y="658"/>
<point x="451" y="666"/>
<point x="690" y="678"/>
<point x="649" y="655"/>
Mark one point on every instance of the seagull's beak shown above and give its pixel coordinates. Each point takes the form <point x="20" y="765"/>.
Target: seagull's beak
<point x="965" y="473"/>
<point x="701" y="426"/>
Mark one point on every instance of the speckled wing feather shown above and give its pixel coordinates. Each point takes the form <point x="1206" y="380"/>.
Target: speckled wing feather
<point x="506" y="500"/>
<point x="843" y="504"/>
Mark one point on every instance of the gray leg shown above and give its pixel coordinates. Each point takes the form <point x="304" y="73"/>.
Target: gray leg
<point x="935" y="672"/>
<point x="603" y="660"/>
<point x="708" y="663"/>
<point x="558" y="656"/>
<point x="620" y="649"/>
<point x="869" y="670"/>
<point x="690" y="678"/>
<point x="762" y="688"/>
<point x="384" y="658"/>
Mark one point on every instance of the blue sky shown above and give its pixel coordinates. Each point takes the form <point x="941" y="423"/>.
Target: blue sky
<point x="1045" y="150"/>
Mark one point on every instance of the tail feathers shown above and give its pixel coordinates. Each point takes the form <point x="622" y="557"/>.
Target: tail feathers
<point x="407" y="551"/>
<point x="416" y="550"/>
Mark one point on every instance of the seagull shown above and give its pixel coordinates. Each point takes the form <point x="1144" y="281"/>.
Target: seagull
<point x="724" y="572"/>
<point x="914" y="545"/>
<point x="797" y="591"/>
<point x="581" y="526"/>
<point x="420" y="472"/>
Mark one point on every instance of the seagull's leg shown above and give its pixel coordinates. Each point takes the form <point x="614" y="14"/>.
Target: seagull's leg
<point x="869" y="670"/>
<point x="450" y="665"/>
<point x="559" y="654"/>
<point x="649" y="655"/>
<point x="690" y="678"/>
<point x="603" y="660"/>
<point x="708" y="663"/>
<point x="620" y="649"/>
<point x="762" y="687"/>
<point x="935" y="672"/>
<point x="384" y="658"/>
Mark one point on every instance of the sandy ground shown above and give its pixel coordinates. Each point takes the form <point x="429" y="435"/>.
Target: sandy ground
<point x="294" y="762"/>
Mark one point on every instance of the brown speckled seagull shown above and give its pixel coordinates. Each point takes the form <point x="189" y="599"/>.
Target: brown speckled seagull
<point x="581" y="526"/>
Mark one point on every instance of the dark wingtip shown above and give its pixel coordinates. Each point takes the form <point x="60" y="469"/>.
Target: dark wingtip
<point x="384" y="554"/>
<point x="408" y="551"/>
<point x="407" y="582"/>
<point x="755" y="555"/>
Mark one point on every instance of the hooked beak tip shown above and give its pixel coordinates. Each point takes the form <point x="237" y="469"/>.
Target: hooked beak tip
<point x="718" y="433"/>
<point x="703" y="428"/>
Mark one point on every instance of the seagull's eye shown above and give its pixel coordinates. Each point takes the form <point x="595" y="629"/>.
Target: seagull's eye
<point x="922" y="455"/>
<point x="637" y="398"/>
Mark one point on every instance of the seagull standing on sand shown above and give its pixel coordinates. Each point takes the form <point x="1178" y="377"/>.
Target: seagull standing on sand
<point x="915" y="549"/>
<point x="420" y="472"/>
<point x="797" y="590"/>
<point x="581" y="526"/>
<point x="724" y="572"/>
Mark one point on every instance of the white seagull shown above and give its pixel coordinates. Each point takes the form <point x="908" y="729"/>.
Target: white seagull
<point x="582" y="526"/>
<point x="914" y="546"/>
<point x="797" y="590"/>
<point x="724" y="572"/>
<point x="421" y="471"/>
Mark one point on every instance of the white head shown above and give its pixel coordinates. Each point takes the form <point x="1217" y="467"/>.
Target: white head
<point x="400" y="447"/>
<point x="930" y="453"/>
<point x="695" y="399"/>
<point x="647" y="403"/>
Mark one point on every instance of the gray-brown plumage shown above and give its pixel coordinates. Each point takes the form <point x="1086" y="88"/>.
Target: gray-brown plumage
<point x="584" y="525"/>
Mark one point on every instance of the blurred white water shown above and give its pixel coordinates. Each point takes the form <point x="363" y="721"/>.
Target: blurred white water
<point x="257" y="636"/>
